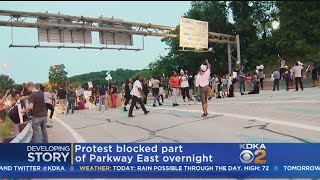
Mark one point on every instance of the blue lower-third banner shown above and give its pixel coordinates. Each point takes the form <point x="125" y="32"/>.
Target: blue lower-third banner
<point x="162" y="160"/>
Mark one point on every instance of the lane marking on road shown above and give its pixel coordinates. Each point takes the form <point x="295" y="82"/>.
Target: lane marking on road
<point x="73" y="132"/>
<point x="284" y="123"/>
<point x="262" y="102"/>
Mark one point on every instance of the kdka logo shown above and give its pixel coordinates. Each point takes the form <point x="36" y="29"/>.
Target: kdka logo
<point x="255" y="153"/>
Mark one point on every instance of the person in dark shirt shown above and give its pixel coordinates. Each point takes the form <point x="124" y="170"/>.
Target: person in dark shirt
<point x="314" y="75"/>
<point x="231" y="90"/>
<point x="102" y="96"/>
<point x="127" y="96"/>
<point x="287" y="76"/>
<point x="191" y="86"/>
<point x="39" y="113"/>
<point x="145" y="89"/>
<point x="62" y="94"/>
<point x="72" y="97"/>
<point x="242" y="81"/>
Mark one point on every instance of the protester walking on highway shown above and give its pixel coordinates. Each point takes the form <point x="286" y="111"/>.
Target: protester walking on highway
<point x="276" y="80"/>
<point x="48" y="100"/>
<point x="39" y="113"/>
<point x="191" y="85"/>
<point x="174" y="86"/>
<point x="291" y="84"/>
<point x="165" y="85"/>
<point x="127" y="95"/>
<point x="314" y="75"/>
<point x="287" y="77"/>
<point x="102" y="97"/>
<point x="62" y="98"/>
<point x="145" y="89"/>
<point x="298" y="75"/>
<point x="261" y="77"/>
<point x="72" y="98"/>
<point x="202" y="82"/>
<point x="155" y="83"/>
<point x="162" y="92"/>
<point x="184" y="85"/>
<point x="114" y="95"/>
<point x="137" y="95"/>
<point x="242" y="81"/>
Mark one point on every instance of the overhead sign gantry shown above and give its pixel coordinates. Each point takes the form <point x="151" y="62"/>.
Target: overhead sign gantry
<point x="113" y="33"/>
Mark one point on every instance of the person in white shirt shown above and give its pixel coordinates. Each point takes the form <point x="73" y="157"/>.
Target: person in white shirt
<point x="48" y="97"/>
<point x="184" y="85"/>
<point x="137" y="95"/>
<point x="297" y="70"/>
<point x="202" y="82"/>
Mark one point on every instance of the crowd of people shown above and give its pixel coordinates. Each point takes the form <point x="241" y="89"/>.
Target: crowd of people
<point x="28" y="103"/>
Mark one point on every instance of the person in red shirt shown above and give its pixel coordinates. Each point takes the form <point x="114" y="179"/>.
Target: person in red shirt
<point x="249" y="81"/>
<point x="174" y="85"/>
<point x="80" y="105"/>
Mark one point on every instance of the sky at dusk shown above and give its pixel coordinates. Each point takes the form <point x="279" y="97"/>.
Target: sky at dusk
<point x="29" y="64"/>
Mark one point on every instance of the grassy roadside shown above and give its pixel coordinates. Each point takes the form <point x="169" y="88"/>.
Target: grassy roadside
<point x="6" y="129"/>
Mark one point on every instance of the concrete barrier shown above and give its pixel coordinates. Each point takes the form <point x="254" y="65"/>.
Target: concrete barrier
<point x="25" y="135"/>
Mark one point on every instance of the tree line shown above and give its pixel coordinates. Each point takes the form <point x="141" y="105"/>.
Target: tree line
<point x="296" y="37"/>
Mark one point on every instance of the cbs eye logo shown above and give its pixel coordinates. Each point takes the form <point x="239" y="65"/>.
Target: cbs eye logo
<point x="247" y="156"/>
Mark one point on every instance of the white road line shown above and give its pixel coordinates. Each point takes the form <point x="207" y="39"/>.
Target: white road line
<point x="252" y="102"/>
<point x="263" y="102"/>
<point x="74" y="133"/>
<point x="284" y="123"/>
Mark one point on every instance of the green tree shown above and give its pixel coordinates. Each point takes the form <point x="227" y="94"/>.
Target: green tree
<point x="299" y="33"/>
<point x="57" y="74"/>
<point x="216" y="14"/>
<point x="6" y="83"/>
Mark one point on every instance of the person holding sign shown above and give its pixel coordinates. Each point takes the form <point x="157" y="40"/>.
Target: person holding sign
<point x="282" y="66"/>
<point x="202" y="82"/>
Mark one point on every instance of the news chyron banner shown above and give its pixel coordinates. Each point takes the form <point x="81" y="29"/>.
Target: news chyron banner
<point x="172" y="160"/>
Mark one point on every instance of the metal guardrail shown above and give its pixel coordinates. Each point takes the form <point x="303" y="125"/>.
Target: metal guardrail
<point x="25" y="135"/>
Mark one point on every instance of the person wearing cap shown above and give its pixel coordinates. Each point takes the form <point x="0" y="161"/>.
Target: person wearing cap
<point x="202" y="83"/>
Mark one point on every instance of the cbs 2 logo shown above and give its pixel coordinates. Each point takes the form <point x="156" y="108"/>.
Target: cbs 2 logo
<point x="246" y="156"/>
